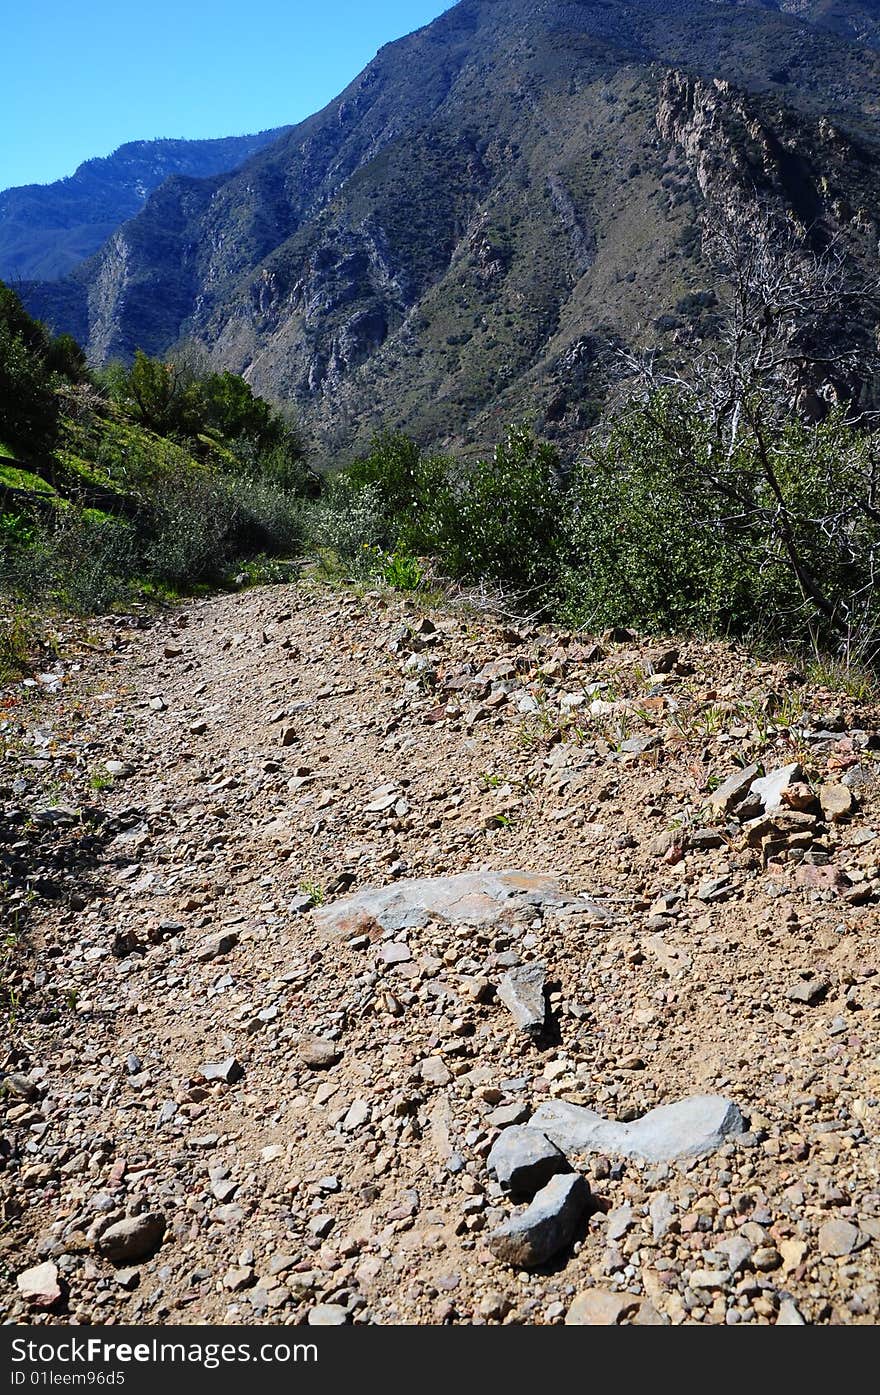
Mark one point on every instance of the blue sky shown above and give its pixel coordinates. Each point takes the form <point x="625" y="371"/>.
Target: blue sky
<point x="81" y="78"/>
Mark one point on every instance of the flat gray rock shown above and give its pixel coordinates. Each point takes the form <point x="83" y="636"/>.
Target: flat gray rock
<point x="229" y="1070"/>
<point x="523" y="1160"/>
<point x="327" y="1315"/>
<point x="734" y="790"/>
<point x="689" y="1128"/>
<point x="838" y="1237"/>
<point x="522" y="993"/>
<point x="532" y="1238"/>
<point x="471" y="898"/>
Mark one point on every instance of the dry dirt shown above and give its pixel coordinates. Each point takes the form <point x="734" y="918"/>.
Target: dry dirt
<point x="287" y="746"/>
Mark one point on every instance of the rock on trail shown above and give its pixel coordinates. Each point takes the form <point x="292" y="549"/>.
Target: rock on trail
<point x="475" y="899"/>
<point x="548" y="1225"/>
<point x="688" y="1128"/>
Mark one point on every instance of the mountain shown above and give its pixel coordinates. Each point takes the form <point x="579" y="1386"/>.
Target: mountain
<point x="47" y="229"/>
<point x="493" y="207"/>
<point x="850" y="19"/>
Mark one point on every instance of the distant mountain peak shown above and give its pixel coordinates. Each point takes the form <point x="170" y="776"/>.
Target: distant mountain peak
<point x="48" y="229"/>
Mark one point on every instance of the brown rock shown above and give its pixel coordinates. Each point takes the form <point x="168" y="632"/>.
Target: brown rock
<point x="132" y="1239"/>
<point x="600" y="1307"/>
<point x="799" y="796"/>
<point x="318" y="1052"/>
<point x="837" y="802"/>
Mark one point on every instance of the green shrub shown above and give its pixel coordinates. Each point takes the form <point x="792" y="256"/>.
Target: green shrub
<point x="351" y="523"/>
<point x="32" y="364"/>
<point x="190" y="522"/>
<point x="205" y="410"/>
<point x="641" y="548"/>
<point x="668" y="528"/>
<point x="28" y="406"/>
<point x="265" y="517"/>
<point x="402" y="572"/>
<point x="16" y="531"/>
<point x="501" y="519"/>
<point x="79" y="561"/>
<point x="410" y="492"/>
<point x="497" y="520"/>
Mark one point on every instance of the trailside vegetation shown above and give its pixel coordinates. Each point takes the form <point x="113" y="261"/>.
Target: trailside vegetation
<point x="140" y="480"/>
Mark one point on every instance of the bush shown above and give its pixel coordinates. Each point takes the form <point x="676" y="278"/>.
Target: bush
<point x="501" y="521"/>
<point x="32" y="364"/>
<point x="411" y="493"/>
<point x="19" y="637"/>
<point x="282" y="463"/>
<point x="264" y="517"/>
<point x="666" y="530"/>
<point x="189" y="525"/>
<point x="665" y="524"/>
<point x="497" y="520"/>
<point x="641" y="549"/>
<point x="78" y="560"/>
<point x="352" y="523"/>
<point x="28" y="407"/>
<point x="159" y="474"/>
<point x="208" y="409"/>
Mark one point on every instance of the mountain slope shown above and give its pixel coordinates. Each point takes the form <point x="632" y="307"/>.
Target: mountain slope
<point x="47" y="229"/>
<point x="495" y="204"/>
<point x="850" y="19"/>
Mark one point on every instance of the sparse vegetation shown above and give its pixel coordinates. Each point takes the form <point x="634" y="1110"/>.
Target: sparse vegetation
<point x="701" y="504"/>
<point x="148" y="479"/>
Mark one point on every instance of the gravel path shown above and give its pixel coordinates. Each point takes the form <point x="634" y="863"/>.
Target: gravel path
<point x="231" y="1095"/>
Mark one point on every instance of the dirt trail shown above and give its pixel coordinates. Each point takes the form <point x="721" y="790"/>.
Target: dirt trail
<point x="174" y="800"/>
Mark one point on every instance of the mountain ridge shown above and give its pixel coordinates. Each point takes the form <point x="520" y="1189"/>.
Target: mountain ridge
<point x="48" y="229"/>
<point x="492" y="205"/>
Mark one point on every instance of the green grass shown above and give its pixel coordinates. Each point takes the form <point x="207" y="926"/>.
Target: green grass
<point x="841" y="676"/>
<point x="15" y="478"/>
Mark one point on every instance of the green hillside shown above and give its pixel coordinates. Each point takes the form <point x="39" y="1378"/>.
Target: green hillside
<point x="139" y="481"/>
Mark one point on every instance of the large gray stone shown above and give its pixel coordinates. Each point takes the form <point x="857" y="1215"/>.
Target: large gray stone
<point x="524" y="1159"/>
<point x="522" y="993"/>
<point x="471" y="898"/>
<point x="547" y="1226"/>
<point x="132" y="1239"/>
<point x="689" y="1128"/>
